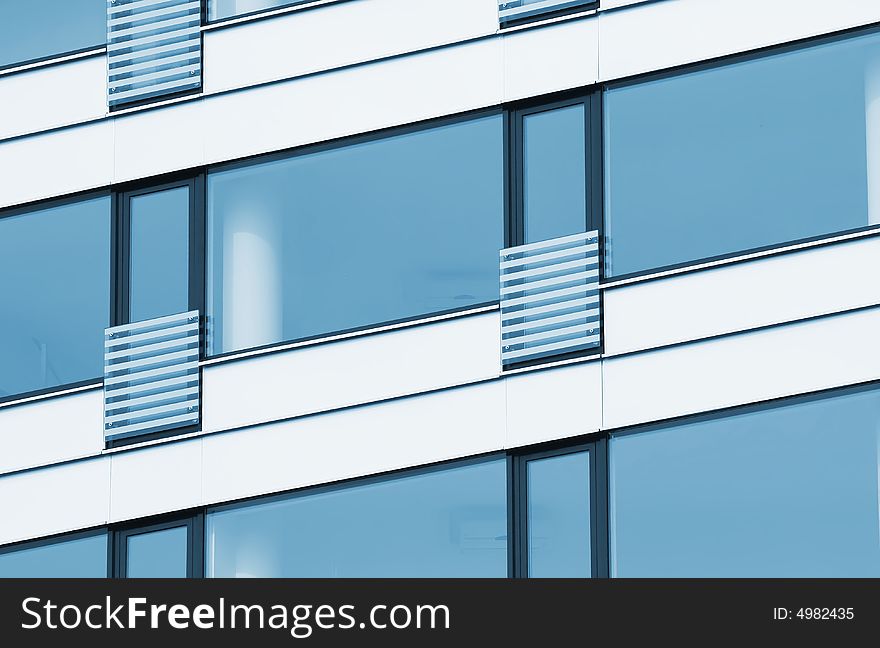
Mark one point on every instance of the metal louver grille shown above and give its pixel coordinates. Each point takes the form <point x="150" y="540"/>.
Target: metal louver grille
<point x="151" y="376"/>
<point x="154" y="48"/>
<point x="550" y="298"/>
<point x="510" y="11"/>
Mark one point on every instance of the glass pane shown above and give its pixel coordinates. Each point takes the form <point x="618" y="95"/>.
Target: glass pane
<point x="32" y="30"/>
<point x="448" y="523"/>
<point x="357" y="236"/>
<point x="81" y="558"/>
<point x="743" y="156"/>
<point x="159" y="554"/>
<point x="554" y="173"/>
<point x="55" y="296"/>
<point x="159" y="254"/>
<point x="783" y="492"/>
<point x="219" y="9"/>
<point x="559" y="516"/>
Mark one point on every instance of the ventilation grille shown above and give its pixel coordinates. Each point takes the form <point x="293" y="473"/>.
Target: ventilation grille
<point x="154" y="48"/>
<point x="513" y="11"/>
<point x="550" y="298"/>
<point x="151" y="376"/>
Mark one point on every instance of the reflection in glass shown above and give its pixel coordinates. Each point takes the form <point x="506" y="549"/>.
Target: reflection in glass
<point x="54" y="295"/>
<point x="81" y="558"/>
<point x="783" y="492"/>
<point x="554" y="173"/>
<point x="157" y="554"/>
<point x="742" y="156"/>
<point x="159" y="254"/>
<point x="445" y="523"/>
<point x="356" y="236"/>
<point x="220" y="9"/>
<point x="36" y="30"/>
<point x="559" y="516"/>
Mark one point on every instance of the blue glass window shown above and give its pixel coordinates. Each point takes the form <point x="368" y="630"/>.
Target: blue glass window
<point x="559" y="516"/>
<point x="451" y="522"/>
<point x="743" y="156"/>
<point x="55" y="295"/>
<point x="220" y="9"/>
<point x="159" y="254"/>
<point x="554" y="173"/>
<point x="784" y="492"/>
<point x="79" y="558"/>
<point x="32" y="30"/>
<point x="355" y="236"/>
<point x="517" y="11"/>
<point x="157" y="554"/>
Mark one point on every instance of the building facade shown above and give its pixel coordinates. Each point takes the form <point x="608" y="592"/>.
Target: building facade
<point x="392" y="288"/>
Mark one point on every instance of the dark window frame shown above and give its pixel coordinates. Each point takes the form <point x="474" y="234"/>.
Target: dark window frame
<point x="551" y="12"/>
<point x="193" y="521"/>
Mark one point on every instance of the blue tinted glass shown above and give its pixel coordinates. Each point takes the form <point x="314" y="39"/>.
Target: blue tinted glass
<point x="158" y="554"/>
<point x="82" y="558"/>
<point x="554" y="173"/>
<point x="742" y="156"/>
<point x="219" y="9"/>
<point x="159" y="254"/>
<point x="356" y="236"/>
<point x="32" y="30"/>
<point x="559" y="517"/>
<point x="784" y="492"/>
<point x="55" y="295"/>
<point x="448" y="523"/>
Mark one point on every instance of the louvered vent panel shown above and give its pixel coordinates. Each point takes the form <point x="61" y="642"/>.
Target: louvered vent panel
<point x="154" y="48"/>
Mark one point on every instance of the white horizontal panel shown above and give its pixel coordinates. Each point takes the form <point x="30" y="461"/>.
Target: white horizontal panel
<point x="51" y="430"/>
<point x="746" y="295"/>
<point x="352" y="443"/>
<point x="659" y="35"/>
<point x="54" y="500"/>
<point x="328" y="37"/>
<point x="617" y="4"/>
<point x="350" y="372"/>
<point x="751" y="367"/>
<point x="53" y="96"/>
<point x="556" y="57"/>
<point x="155" y="480"/>
<point x="56" y="163"/>
<point x="354" y="100"/>
<point x="553" y="403"/>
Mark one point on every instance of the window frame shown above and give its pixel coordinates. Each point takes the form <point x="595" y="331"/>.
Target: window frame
<point x="194" y="522"/>
<point x="61" y="538"/>
<point x="550" y="13"/>
<point x="519" y="518"/>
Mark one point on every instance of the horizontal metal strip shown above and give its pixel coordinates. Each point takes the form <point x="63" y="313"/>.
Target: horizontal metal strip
<point x="179" y="84"/>
<point x="150" y="15"/>
<point x="142" y="375"/>
<point x="180" y="392"/>
<point x="550" y="243"/>
<point x="143" y="5"/>
<point x="145" y="65"/>
<point x="143" y="78"/>
<point x="549" y="321"/>
<point x="153" y="323"/>
<point x="153" y="328"/>
<point x="547" y="296"/>
<point x="590" y="250"/>
<point x="150" y="348"/>
<point x="188" y="32"/>
<point x="548" y="269"/>
<point x="549" y="335"/>
<point x="128" y="430"/>
<point x="178" y="23"/>
<point x="555" y="281"/>
<point x="179" y="333"/>
<point x="153" y="411"/>
<point x="547" y="348"/>
<point x="549" y="308"/>
<point x="153" y="51"/>
<point x="130" y="390"/>
<point x="512" y="13"/>
<point x="151" y="360"/>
